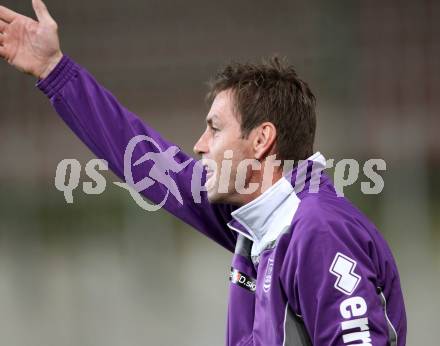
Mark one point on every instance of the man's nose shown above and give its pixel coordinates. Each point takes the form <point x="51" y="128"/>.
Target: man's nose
<point x="201" y="145"/>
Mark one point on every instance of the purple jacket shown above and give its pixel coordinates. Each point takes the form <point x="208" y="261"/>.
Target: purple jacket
<point x="308" y="267"/>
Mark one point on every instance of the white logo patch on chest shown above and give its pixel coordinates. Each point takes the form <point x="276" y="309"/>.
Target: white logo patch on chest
<point x="268" y="275"/>
<point x="343" y="268"/>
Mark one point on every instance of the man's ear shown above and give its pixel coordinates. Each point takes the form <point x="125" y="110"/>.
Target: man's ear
<point x="264" y="140"/>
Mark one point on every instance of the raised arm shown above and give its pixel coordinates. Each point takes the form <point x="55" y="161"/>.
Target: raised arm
<point x="103" y="124"/>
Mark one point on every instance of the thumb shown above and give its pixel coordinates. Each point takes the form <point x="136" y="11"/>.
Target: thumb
<point x="41" y="11"/>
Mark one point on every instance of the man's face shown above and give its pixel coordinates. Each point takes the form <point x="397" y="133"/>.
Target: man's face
<point x="221" y="137"/>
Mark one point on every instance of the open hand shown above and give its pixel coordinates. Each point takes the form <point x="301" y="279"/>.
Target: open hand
<point x="30" y="46"/>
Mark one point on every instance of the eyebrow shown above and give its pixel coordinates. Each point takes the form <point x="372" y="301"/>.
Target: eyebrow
<point x="210" y="119"/>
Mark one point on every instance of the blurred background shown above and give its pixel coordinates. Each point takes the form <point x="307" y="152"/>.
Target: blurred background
<point x="102" y="271"/>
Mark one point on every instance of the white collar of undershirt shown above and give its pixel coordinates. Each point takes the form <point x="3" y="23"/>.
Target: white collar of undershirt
<point x="268" y="215"/>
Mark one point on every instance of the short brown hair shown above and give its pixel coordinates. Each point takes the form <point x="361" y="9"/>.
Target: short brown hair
<point x="271" y="91"/>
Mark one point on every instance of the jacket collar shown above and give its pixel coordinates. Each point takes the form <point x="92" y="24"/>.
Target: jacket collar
<point x="263" y="219"/>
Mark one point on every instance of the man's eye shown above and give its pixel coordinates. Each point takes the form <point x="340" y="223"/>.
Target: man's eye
<point x="214" y="129"/>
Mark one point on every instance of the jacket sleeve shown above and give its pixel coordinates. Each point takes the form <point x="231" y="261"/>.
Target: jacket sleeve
<point x="106" y="127"/>
<point x="331" y="283"/>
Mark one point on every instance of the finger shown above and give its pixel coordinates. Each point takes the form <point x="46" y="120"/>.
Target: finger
<point x="2" y="26"/>
<point x="41" y="11"/>
<point x="2" y="52"/>
<point x="6" y="14"/>
<point x="2" y="38"/>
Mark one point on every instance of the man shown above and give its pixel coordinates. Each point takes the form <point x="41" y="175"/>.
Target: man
<point x="308" y="267"/>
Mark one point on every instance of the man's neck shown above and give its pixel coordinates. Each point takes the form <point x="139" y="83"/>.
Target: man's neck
<point x="265" y="180"/>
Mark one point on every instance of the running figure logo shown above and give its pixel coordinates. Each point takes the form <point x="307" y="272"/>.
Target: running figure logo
<point x="163" y="164"/>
